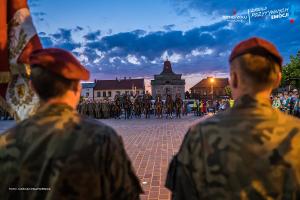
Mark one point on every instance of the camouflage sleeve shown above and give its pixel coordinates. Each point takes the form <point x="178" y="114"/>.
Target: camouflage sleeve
<point x="9" y="155"/>
<point x="182" y="169"/>
<point x="125" y="183"/>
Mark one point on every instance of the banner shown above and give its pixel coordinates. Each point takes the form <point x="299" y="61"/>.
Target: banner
<point x="19" y="41"/>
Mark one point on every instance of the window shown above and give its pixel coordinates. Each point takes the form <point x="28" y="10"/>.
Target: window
<point x="109" y="93"/>
<point x="87" y="94"/>
<point x="98" y="94"/>
<point x="104" y="94"/>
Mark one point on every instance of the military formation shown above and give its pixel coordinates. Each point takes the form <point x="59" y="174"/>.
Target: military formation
<point x="128" y="107"/>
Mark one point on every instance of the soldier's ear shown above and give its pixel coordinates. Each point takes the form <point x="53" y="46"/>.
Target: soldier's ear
<point x="233" y="80"/>
<point x="277" y="80"/>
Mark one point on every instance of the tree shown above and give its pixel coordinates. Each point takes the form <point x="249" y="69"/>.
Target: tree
<point x="228" y="90"/>
<point x="291" y="72"/>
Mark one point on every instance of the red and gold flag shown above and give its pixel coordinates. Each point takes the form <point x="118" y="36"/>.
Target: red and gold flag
<point x="18" y="39"/>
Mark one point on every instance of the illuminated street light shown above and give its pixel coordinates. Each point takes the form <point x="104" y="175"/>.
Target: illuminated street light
<point x="212" y="80"/>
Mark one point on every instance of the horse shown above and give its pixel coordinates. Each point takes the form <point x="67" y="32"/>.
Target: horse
<point x="178" y="106"/>
<point x="169" y="107"/>
<point x="137" y="106"/>
<point x="159" y="107"/>
<point x="147" y="106"/>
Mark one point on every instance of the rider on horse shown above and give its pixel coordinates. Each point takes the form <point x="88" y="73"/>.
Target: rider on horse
<point x="169" y="106"/>
<point x="159" y="107"/>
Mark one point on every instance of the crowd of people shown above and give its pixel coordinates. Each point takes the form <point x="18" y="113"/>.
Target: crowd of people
<point x="202" y="106"/>
<point x="288" y="102"/>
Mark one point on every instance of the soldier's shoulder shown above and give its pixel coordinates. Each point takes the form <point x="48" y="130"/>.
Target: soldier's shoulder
<point x="97" y="127"/>
<point x="214" y="119"/>
<point x="11" y="133"/>
<point x="288" y="120"/>
<point x="215" y="122"/>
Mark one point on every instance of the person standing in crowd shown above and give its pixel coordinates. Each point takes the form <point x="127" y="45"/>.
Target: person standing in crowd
<point x="185" y="108"/>
<point x="204" y="108"/>
<point x="195" y="109"/>
<point x="73" y="156"/>
<point x="200" y="110"/>
<point x="250" y="151"/>
<point x="276" y="103"/>
<point x="296" y="110"/>
<point x="231" y="102"/>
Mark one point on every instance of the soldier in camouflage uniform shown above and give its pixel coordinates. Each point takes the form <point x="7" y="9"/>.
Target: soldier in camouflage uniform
<point x="98" y="109"/>
<point x="248" y="152"/>
<point x="105" y="109"/>
<point x="58" y="154"/>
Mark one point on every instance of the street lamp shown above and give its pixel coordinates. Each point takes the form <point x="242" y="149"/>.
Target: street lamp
<point x="212" y="80"/>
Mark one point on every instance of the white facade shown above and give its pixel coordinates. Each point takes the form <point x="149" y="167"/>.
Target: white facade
<point x="87" y="91"/>
<point x="110" y="94"/>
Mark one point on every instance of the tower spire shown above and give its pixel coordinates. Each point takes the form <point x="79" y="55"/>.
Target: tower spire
<point x="167" y="67"/>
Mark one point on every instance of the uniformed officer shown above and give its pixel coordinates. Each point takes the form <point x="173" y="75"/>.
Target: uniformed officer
<point x="250" y="151"/>
<point x="57" y="154"/>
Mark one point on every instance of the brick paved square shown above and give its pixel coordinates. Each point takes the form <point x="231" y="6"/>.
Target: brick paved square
<point x="151" y="144"/>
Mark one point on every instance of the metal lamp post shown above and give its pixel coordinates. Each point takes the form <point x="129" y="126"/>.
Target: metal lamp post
<point x="212" y="80"/>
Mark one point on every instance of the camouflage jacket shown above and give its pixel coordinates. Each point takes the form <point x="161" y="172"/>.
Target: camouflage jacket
<point x="57" y="154"/>
<point x="249" y="152"/>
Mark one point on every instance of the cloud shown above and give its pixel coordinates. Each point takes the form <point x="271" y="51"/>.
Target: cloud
<point x="78" y="28"/>
<point x="92" y="36"/>
<point x="198" y="50"/>
<point x="61" y="39"/>
<point x="133" y="60"/>
<point x="174" y="57"/>
<point x="169" y="27"/>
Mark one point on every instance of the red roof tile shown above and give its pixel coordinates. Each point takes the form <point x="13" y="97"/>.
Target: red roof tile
<point x="119" y="84"/>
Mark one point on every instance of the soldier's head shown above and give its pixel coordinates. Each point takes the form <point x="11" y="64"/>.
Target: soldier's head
<point x="255" y="68"/>
<point x="56" y="75"/>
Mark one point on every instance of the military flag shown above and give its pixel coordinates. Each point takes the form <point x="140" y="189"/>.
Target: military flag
<point x="18" y="38"/>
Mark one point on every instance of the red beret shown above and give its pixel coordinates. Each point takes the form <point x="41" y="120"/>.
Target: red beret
<point x="61" y="62"/>
<point x="256" y="46"/>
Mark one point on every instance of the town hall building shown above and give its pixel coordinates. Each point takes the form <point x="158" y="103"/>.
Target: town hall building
<point x="168" y="83"/>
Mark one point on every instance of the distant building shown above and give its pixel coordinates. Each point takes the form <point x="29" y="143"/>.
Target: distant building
<point x="167" y="82"/>
<point x="108" y="89"/>
<point x="87" y="91"/>
<point x="204" y="88"/>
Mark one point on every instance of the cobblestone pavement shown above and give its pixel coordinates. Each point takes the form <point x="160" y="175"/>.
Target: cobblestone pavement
<point x="150" y="144"/>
